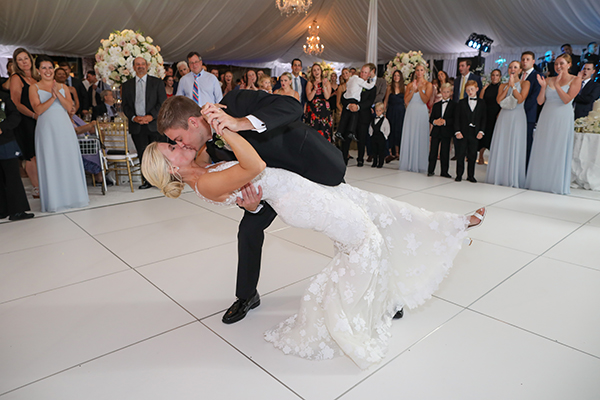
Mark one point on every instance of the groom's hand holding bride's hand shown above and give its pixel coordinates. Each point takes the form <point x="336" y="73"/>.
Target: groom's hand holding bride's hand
<point x="251" y="198"/>
<point x="219" y="120"/>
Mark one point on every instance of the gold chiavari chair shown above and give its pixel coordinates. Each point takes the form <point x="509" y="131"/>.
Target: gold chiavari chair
<point x="117" y="154"/>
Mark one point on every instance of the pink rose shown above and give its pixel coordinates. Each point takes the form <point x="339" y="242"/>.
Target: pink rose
<point x="111" y="67"/>
<point x="133" y="41"/>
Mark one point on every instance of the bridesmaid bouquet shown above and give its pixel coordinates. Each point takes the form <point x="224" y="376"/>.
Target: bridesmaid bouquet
<point x="114" y="58"/>
<point x="406" y="63"/>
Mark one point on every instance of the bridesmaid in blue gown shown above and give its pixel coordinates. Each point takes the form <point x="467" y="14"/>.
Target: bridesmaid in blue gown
<point x="60" y="169"/>
<point x="549" y="167"/>
<point x="507" y="161"/>
<point x="394" y="104"/>
<point x="414" y="146"/>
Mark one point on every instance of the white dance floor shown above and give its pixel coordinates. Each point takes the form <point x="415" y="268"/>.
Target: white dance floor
<point x="123" y="300"/>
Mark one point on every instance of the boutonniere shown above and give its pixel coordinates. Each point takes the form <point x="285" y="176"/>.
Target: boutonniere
<point x="2" y="113"/>
<point x="220" y="142"/>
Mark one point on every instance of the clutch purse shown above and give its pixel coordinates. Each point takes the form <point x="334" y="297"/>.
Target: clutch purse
<point x="509" y="102"/>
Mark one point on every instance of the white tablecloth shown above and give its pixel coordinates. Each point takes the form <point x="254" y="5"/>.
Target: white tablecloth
<point x="585" y="169"/>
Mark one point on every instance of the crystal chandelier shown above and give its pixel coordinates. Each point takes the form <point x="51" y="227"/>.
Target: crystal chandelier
<point x="288" y="7"/>
<point x="313" y="41"/>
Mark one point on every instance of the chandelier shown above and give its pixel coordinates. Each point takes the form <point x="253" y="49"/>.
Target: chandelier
<point x="313" y="41"/>
<point x="288" y="7"/>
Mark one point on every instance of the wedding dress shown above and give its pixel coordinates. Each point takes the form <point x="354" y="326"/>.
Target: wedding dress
<point x="388" y="254"/>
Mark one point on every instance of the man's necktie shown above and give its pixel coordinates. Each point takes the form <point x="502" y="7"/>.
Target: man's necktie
<point x="296" y="84"/>
<point x="140" y="106"/>
<point x="195" y="94"/>
<point x="462" y="87"/>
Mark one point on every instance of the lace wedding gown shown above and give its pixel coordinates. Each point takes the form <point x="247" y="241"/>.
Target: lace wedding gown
<point x="388" y="254"/>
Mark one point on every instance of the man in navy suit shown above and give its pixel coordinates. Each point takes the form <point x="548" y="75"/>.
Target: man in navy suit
<point x="589" y="93"/>
<point x="531" y="105"/>
<point x="464" y="68"/>
<point x="298" y="82"/>
<point x="142" y="97"/>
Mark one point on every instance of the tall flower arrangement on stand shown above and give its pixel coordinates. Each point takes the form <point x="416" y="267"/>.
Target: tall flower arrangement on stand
<point x="406" y="63"/>
<point x="114" y="58"/>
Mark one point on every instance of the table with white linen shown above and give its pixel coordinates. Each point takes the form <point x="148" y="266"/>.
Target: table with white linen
<point x="585" y="169"/>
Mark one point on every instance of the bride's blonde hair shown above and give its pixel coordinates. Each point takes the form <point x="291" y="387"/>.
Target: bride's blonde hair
<point x="157" y="170"/>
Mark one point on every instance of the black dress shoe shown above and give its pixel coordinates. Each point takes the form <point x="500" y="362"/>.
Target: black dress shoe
<point x="146" y="185"/>
<point x="2" y="216"/>
<point x="472" y="180"/>
<point x="458" y="179"/>
<point x="430" y="174"/>
<point x="360" y="163"/>
<point x="240" y="308"/>
<point x="446" y="175"/>
<point x="20" y="215"/>
<point x="374" y="165"/>
<point x="399" y="314"/>
<point x="369" y="159"/>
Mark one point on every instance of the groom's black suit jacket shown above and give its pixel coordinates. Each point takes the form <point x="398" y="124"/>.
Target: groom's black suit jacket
<point x="287" y="143"/>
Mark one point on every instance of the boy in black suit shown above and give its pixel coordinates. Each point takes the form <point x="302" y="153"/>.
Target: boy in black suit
<point x="379" y="130"/>
<point x="469" y="122"/>
<point x="442" y="119"/>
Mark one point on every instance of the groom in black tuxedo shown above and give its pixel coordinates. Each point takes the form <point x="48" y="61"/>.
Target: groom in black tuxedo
<point x="270" y="123"/>
<point x="469" y="123"/>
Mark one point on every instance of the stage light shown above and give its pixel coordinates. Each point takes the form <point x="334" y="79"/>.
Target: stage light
<point x="479" y="42"/>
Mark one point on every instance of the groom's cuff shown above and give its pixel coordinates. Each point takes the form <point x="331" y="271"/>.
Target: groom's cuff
<point x="258" y="125"/>
<point x="258" y="208"/>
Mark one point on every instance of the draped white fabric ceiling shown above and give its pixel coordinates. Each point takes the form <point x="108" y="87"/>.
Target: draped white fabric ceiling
<point x="253" y="31"/>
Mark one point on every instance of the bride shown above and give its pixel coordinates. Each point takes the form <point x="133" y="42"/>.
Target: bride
<point x="388" y="254"/>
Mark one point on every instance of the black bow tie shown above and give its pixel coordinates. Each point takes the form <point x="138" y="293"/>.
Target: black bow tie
<point x="445" y="101"/>
<point x="473" y="98"/>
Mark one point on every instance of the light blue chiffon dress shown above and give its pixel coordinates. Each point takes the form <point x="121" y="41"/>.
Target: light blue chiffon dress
<point x="507" y="162"/>
<point x="60" y="169"/>
<point x="414" y="146"/>
<point x="549" y="167"/>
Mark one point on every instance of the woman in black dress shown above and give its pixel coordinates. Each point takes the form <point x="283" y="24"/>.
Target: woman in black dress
<point x="25" y="76"/>
<point x="394" y="104"/>
<point x="489" y="94"/>
<point x="318" y="113"/>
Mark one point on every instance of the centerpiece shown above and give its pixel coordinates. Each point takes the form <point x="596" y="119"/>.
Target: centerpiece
<point x="115" y="56"/>
<point x="406" y="63"/>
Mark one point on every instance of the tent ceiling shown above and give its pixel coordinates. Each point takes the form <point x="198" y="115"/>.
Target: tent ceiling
<point x="253" y="31"/>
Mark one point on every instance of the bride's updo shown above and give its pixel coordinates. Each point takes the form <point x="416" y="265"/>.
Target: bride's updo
<point x="157" y="170"/>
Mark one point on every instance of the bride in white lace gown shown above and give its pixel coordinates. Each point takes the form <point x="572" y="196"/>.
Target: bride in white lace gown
<point x="388" y="254"/>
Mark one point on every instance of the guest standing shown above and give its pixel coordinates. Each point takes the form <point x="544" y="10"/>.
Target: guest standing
<point x="227" y="82"/>
<point x="531" y="104"/>
<point x="589" y="93"/>
<point x="13" y="200"/>
<point x="552" y="152"/>
<point x="394" y="104"/>
<point x="318" y="114"/>
<point x="199" y="85"/>
<point x="442" y="119"/>
<point x="142" y="97"/>
<point x="469" y="123"/>
<point x="464" y="68"/>
<point x="489" y="94"/>
<point x="379" y="130"/>
<point x="249" y="80"/>
<point x="169" y="81"/>
<point x="24" y="77"/>
<point x="60" y="169"/>
<point x="507" y="161"/>
<point x="414" y="145"/>
<point x="285" y="88"/>
<point x="298" y="81"/>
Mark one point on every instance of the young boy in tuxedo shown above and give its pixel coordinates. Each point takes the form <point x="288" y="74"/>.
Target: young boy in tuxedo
<point x="379" y="130"/>
<point x="442" y="119"/>
<point x="469" y="122"/>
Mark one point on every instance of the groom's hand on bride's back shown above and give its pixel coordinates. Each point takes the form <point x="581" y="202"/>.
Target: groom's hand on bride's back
<point x="251" y="197"/>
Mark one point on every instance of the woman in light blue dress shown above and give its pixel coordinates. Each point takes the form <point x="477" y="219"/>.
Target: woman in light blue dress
<point x="60" y="169"/>
<point x="549" y="167"/>
<point x="507" y="160"/>
<point x="414" y="146"/>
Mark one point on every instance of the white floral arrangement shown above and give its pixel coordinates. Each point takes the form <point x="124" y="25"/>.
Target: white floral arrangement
<point x="590" y="123"/>
<point x="115" y="56"/>
<point x="326" y="68"/>
<point x="485" y="79"/>
<point x="406" y="63"/>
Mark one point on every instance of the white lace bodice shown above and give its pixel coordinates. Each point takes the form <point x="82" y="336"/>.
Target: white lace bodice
<point x="388" y="254"/>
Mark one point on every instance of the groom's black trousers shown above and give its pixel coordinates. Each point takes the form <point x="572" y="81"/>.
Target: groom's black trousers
<point x="251" y="237"/>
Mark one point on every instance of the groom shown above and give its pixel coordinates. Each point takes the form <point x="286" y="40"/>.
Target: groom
<point x="270" y="123"/>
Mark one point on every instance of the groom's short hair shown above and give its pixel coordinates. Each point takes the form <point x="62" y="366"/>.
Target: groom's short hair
<point x="175" y="113"/>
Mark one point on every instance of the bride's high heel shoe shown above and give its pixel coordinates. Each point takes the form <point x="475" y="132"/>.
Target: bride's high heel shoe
<point x="480" y="214"/>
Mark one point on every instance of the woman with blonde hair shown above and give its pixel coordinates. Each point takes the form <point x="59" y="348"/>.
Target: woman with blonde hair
<point x="285" y="81"/>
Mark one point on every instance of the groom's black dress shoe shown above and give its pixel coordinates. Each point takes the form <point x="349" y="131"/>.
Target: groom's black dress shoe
<point x="240" y="308"/>
<point x="146" y="185"/>
<point x="399" y="314"/>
